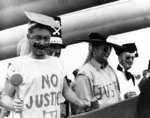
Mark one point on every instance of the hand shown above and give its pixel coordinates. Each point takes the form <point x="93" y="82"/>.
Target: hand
<point x="94" y="103"/>
<point x="17" y="105"/>
<point x="85" y="104"/>
<point x="130" y="94"/>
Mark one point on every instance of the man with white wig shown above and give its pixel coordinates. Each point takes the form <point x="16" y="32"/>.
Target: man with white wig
<point x="96" y="79"/>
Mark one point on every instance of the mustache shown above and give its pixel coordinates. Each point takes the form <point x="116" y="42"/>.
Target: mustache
<point x="41" y="46"/>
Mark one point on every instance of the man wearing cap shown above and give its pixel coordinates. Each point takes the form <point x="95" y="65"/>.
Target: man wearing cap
<point x="145" y="74"/>
<point x="56" y="43"/>
<point x="54" y="49"/>
<point x="127" y="81"/>
<point x="43" y="76"/>
<point x="96" y="78"/>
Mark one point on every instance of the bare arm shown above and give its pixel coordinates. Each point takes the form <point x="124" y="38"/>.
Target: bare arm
<point x="84" y="90"/>
<point x="71" y="96"/>
<point x="7" y="100"/>
<point x="7" y="94"/>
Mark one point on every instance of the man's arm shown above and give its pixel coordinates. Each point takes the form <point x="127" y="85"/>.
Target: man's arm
<point x="84" y="91"/>
<point x="6" y="100"/>
<point x="7" y="94"/>
<point x="71" y="96"/>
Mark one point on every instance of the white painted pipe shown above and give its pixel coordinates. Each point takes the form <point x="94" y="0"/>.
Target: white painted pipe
<point x="114" y="18"/>
<point x="11" y="12"/>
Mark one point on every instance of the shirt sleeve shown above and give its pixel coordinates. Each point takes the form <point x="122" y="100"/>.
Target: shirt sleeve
<point x="84" y="90"/>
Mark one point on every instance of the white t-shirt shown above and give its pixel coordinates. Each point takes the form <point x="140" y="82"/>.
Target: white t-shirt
<point x="103" y="84"/>
<point x="41" y="87"/>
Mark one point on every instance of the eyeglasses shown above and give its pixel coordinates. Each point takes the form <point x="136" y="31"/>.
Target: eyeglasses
<point x="39" y="38"/>
<point x="106" y="49"/>
<point x="129" y="57"/>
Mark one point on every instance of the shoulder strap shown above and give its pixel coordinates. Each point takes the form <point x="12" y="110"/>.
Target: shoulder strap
<point x="118" y="85"/>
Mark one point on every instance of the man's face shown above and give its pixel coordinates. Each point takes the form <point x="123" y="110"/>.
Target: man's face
<point x="102" y="52"/>
<point x="145" y="74"/>
<point x="54" y="50"/>
<point x="126" y="60"/>
<point x="39" y="41"/>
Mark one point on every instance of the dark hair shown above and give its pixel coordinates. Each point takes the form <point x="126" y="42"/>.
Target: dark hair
<point x="38" y="25"/>
<point x="75" y="72"/>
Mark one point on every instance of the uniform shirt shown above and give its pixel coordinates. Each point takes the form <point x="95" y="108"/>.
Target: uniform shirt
<point x="140" y="85"/>
<point x="97" y="82"/>
<point x="126" y="85"/>
<point x="41" y="87"/>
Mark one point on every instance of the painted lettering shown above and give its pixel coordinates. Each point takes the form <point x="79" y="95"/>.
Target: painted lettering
<point x="112" y="91"/>
<point x="48" y="81"/>
<point x="116" y="85"/>
<point x="47" y="100"/>
<point x="43" y="100"/>
<point x="39" y="100"/>
<point x="54" y="80"/>
<point x="45" y="80"/>
<point x="50" y="114"/>
<point x="30" y="103"/>
<point x="53" y="98"/>
<point x="100" y="93"/>
<point x="106" y="90"/>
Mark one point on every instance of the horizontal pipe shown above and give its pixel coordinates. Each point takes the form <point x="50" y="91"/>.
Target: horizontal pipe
<point x="110" y="19"/>
<point x="114" y="18"/>
<point x="12" y="15"/>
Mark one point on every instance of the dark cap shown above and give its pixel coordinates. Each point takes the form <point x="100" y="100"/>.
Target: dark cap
<point x="103" y="39"/>
<point x="56" y="37"/>
<point x="75" y="72"/>
<point x="42" y="19"/>
<point x="129" y="47"/>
